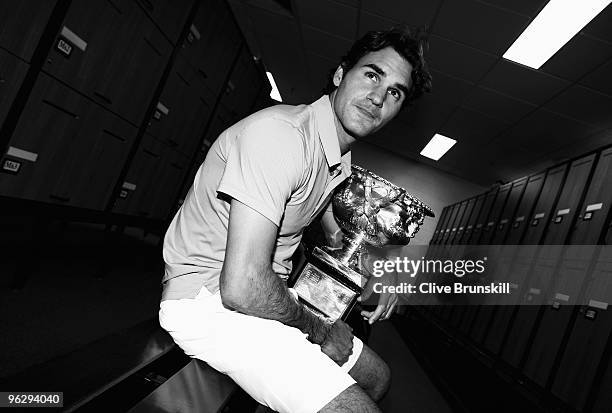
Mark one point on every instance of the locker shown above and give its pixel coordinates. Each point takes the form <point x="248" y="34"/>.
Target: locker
<point x="506" y="218"/>
<point x="467" y="234"/>
<point x="464" y="220"/>
<point x="12" y="73"/>
<point x="456" y="221"/>
<point x="213" y="43"/>
<point x="526" y="314"/>
<point x="167" y="188"/>
<point x="141" y="187"/>
<point x="488" y="229"/>
<point x="557" y="276"/>
<point x="169" y="15"/>
<point x="450" y="223"/>
<point x="69" y="149"/>
<point x="483" y="215"/>
<point x="243" y="85"/>
<point x="444" y="223"/>
<point x="471" y="309"/>
<point x="112" y="53"/>
<point x="183" y="109"/>
<point x="439" y="225"/>
<point x="515" y="274"/>
<point x="23" y="23"/>
<point x="587" y="339"/>
<point x="520" y="221"/>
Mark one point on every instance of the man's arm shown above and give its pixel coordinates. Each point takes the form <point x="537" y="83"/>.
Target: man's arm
<point x="248" y="283"/>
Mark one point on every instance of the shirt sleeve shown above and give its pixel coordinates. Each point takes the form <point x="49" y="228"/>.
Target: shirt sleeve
<point x="263" y="167"/>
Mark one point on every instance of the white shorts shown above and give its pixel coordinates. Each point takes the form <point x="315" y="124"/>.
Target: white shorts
<point x="274" y="363"/>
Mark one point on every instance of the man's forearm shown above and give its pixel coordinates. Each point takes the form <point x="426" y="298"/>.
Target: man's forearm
<point x="267" y="296"/>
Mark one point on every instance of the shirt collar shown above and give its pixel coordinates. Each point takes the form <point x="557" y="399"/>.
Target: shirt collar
<point x="326" y="126"/>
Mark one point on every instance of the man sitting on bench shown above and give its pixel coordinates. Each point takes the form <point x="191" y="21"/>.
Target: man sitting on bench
<point x="228" y="249"/>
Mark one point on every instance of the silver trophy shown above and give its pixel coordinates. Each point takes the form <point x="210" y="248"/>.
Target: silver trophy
<point x="370" y="210"/>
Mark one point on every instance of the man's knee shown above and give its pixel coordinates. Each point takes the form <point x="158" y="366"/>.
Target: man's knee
<point x="351" y="400"/>
<point x="372" y="374"/>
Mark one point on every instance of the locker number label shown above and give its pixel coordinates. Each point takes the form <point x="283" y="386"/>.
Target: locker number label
<point x="64" y="47"/>
<point x="11" y="167"/>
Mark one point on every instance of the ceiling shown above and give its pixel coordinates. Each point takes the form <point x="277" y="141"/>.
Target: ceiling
<point x="508" y="120"/>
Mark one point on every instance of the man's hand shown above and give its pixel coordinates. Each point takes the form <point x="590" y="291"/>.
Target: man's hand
<point x="384" y="309"/>
<point x="338" y="344"/>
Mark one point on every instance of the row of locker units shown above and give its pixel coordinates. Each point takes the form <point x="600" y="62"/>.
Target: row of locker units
<point x="544" y="238"/>
<point x="68" y="150"/>
<point x="70" y="147"/>
<point x="115" y="52"/>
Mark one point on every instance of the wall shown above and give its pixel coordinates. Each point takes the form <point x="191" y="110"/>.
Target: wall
<point x="434" y="187"/>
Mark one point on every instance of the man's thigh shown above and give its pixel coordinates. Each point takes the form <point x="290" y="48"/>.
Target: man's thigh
<point x="272" y="362"/>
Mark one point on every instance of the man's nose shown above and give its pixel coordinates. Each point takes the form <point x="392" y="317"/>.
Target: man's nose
<point x="377" y="97"/>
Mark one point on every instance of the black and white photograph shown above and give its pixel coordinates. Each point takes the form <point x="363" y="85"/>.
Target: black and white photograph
<point x="302" y="206"/>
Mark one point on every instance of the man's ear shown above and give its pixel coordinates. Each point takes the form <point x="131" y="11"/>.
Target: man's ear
<point x="338" y="74"/>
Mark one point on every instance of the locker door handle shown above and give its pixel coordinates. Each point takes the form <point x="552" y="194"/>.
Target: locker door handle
<point x="60" y="198"/>
<point x="172" y="142"/>
<point x="114" y="135"/>
<point x="177" y="166"/>
<point x="103" y="97"/>
<point x="148" y="4"/>
<point x="148" y="152"/>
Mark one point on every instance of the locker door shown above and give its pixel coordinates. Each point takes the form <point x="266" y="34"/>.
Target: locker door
<point x="116" y="55"/>
<point x="487" y="313"/>
<point x="507" y="214"/>
<point x="464" y="220"/>
<point x="559" y="273"/>
<point x="213" y="43"/>
<point x="137" y="70"/>
<point x="488" y="229"/>
<point x="469" y="228"/>
<point x="520" y="221"/>
<point x="526" y="314"/>
<point x="167" y="188"/>
<point x="487" y="204"/>
<point x="470" y="310"/>
<point x="170" y="15"/>
<point x="182" y="112"/>
<point x="70" y="149"/>
<point x="449" y="224"/>
<point x="12" y="73"/>
<point x="439" y="225"/>
<point x="513" y="272"/>
<point x="484" y="312"/>
<point x="140" y="188"/>
<point x="588" y="337"/>
<point x="457" y="221"/>
<point x="22" y="23"/>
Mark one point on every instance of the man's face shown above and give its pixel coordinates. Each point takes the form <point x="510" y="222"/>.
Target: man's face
<point x="371" y="93"/>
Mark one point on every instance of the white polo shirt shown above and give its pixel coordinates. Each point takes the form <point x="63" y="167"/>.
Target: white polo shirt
<point x="283" y="162"/>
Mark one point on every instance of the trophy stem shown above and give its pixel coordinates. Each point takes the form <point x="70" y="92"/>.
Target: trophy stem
<point x="353" y="245"/>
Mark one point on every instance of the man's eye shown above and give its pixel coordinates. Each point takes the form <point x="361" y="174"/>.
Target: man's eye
<point x="395" y="93"/>
<point x="372" y="76"/>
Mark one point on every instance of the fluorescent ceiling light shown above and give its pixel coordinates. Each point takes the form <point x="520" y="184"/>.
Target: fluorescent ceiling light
<point x="437" y="146"/>
<point x="274" y="94"/>
<point x="554" y="26"/>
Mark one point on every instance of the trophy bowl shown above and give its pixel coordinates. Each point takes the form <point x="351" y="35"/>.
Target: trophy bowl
<point x="370" y="210"/>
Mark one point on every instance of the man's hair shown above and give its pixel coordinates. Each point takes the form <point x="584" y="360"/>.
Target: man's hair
<point x="407" y="43"/>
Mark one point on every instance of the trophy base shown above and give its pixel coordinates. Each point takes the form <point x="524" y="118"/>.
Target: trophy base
<point x="327" y="286"/>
